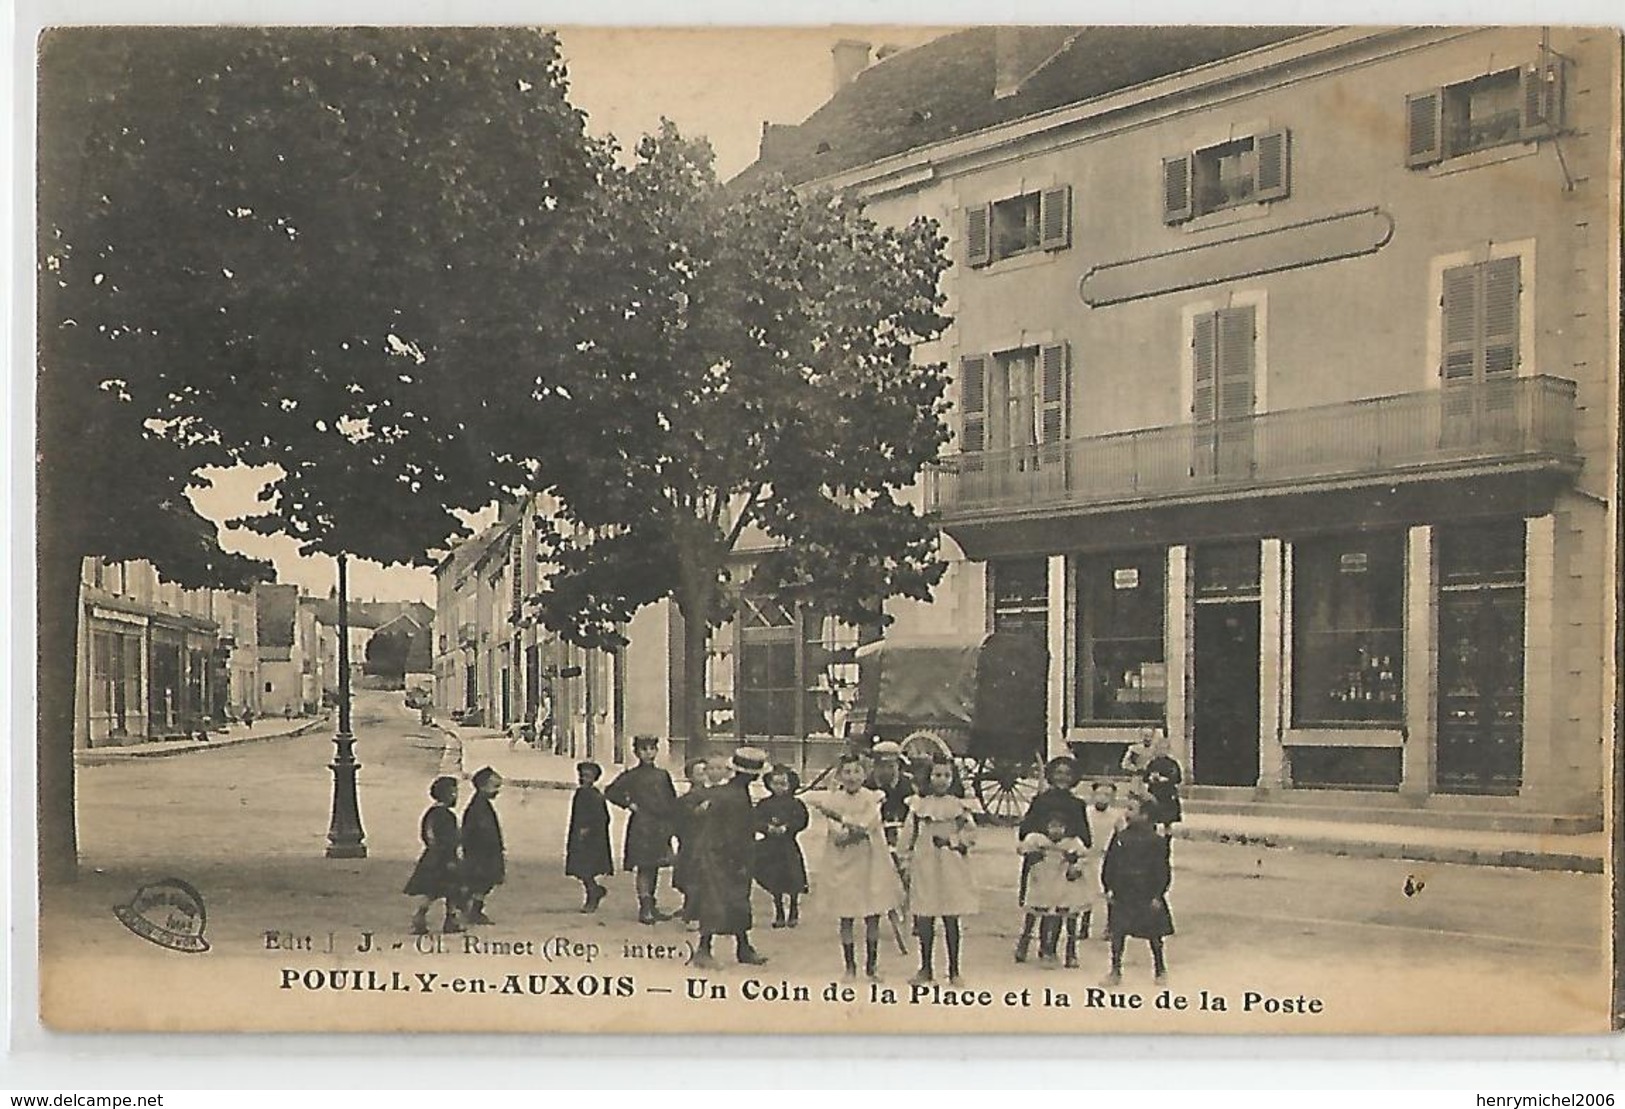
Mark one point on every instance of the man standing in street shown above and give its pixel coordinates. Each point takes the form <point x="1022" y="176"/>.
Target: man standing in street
<point x="723" y="854"/>
<point x="647" y="792"/>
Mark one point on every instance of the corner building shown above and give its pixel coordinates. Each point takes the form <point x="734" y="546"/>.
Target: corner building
<point x="1286" y="394"/>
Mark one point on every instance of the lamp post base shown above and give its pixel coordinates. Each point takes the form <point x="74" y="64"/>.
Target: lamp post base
<point x="345" y="839"/>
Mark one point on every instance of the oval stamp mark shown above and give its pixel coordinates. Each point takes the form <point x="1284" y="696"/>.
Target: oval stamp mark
<point x="169" y="913"/>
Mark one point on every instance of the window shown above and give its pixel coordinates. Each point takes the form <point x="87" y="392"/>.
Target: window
<point x="1013" y="401"/>
<point x="1019" y="225"/>
<point x="1507" y="106"/>
<point x="1348" y="616"/>
<point x="1020" y="589"/>
<point x="1252" y="169"/>
<point x="1223" y="360"/>
<point x="1479" y="315"/>
<point x="1122" y="676"/>
<point x="793" y="669"/>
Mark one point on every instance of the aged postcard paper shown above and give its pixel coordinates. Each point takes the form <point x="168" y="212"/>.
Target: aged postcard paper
<point x="1066" y="529"/>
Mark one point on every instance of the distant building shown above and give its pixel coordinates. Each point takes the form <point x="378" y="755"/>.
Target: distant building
<point x="156" y="660"/>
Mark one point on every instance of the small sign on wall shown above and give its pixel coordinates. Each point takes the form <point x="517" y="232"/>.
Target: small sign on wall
<point x="1353" y="562"/>
<point x="1127" y="577"/>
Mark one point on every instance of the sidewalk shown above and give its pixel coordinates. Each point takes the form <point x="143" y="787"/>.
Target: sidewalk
<point x="522" y="767"/>
<point x="233" y="735"/>
<point x="1582" y="852"/>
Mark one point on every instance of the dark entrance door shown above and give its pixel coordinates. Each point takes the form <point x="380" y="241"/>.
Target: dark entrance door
<point x="1481" y="690"/>
<point x="1224" y="733"/>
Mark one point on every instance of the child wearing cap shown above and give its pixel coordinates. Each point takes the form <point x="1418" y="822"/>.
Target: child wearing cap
<point x="484" y="862"/>
<point x="647" y="792"/>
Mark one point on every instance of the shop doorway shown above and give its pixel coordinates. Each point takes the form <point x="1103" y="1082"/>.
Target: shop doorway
<point x="1224" y="733"/>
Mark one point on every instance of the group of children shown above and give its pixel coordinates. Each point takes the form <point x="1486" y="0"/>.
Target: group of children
<point x="898" y="846"/>
<point x="462" y="862"/>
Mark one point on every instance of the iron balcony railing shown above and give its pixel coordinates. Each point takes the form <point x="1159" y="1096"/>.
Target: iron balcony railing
<point x="1525" y="419"/>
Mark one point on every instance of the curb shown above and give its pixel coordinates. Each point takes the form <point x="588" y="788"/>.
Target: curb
<point x="101" y="756"/>
<point x="1414" y="852"/>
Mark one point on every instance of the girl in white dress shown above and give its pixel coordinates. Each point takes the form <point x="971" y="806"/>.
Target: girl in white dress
<point x="937" y="843"/>
<point x="1055" y="888"/>
<point x="858" y="878"/>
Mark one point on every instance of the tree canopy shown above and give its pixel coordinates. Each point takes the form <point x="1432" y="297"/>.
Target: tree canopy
<point x="303" y="247"/>
<point x="755" y="386"/>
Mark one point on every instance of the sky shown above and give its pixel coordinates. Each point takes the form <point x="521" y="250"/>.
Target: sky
<point x="721" y="83"/>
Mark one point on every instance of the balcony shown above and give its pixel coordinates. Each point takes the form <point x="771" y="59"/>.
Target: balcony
<point x="1461" y="430"/>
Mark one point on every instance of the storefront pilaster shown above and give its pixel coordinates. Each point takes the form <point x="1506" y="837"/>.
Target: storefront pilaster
<point x="1540" y="723"/>
<point x="1055" y="630"/>
<point x="1421" y="661"/>
<point x="1271" y="653"/>
<point x="1177" y="652"/>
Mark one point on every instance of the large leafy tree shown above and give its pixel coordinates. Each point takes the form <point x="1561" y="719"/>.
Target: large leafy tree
<point x="749" y="382"/>
<point x="292" y="246"/>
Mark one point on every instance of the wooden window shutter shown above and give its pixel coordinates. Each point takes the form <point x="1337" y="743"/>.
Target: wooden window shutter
<point x="1273" y="152"/>
<point x="1424" y="128"/>
<point x="1542" y="100"/>
<point x="1237" y="345"/>
<point x="1054" y="391"/>
<point x="1177" y="200"/>
<point x="1204" y="367"/>
<point x="973" y="408"/>
<point x="1055" y="218"/>
<point x="1501" y="288"/>
<point x="979" y="235"/>
<point x="1459" y="321"/>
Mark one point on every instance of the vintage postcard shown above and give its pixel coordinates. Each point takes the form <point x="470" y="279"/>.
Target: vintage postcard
<point x="1058" y="529"/>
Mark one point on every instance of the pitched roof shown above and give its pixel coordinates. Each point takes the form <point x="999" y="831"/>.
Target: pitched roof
<point x="466" y="554"/>
<point x="948" y="86"/>
<point x="367" y="614"/>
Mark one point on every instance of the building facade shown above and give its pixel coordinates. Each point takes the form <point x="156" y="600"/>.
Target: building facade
<point x="496" y="667"/>
<point x="156" y="660"/>
<point x="1286" y="390"/>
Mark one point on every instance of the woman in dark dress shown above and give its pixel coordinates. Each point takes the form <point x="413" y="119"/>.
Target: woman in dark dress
<point x="1136" y="875"/>
<point x="436" y="876"/>
<point x="780" y="867"/>
<point x="586" y="848"/>
<point x="484" y="858"/>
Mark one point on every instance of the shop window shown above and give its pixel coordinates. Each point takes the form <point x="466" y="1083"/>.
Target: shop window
<point x="794" y="669"/>
<point x="1348" y="614"/>
<point x="1122" y="675"/>
<point x="1495" y="109"/>
<point x="1020" y="590"/>
<point x="1251" y="169"/>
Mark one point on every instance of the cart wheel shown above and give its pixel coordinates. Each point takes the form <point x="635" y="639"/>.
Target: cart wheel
<point x="1005" y="787"/>
<point x="924" y="746"/>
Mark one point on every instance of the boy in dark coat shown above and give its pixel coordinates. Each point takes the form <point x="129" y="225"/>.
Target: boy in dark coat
<point x="1135" y="875"/>
<point x="1057" y="802"/>
<point x="484" y="862"/>
<point x="722" y="859"/>
<point x="687" y="827"/>
<point x="647" y="792"/>
<point x="894" y="784"/>
<point x="586" y="848"/>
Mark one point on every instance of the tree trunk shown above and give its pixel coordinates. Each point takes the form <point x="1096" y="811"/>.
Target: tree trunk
<point x="692" y="608"/>
<point x="56" y="671"/>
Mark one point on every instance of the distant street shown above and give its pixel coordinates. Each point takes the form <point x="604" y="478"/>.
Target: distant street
<point x="247" y="826"/>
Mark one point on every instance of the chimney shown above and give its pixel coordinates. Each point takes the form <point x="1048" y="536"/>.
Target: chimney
<point x="851" y="57"/>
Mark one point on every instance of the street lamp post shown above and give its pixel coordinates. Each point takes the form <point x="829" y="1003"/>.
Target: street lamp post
<point x="345" y="839"/>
